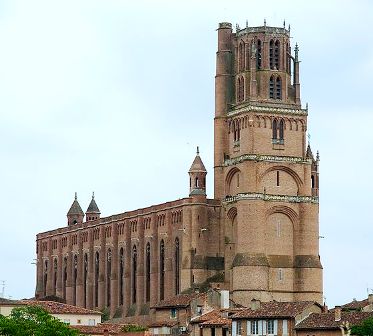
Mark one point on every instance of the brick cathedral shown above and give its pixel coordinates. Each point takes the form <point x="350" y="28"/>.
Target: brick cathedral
<point x="259" y="236"/>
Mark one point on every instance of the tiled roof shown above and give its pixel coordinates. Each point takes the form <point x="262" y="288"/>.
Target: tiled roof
<point x="75" y="208"/>
<point x="274" y="309"/>
<point x="60" y="308"/>
<point x="197" y="165"/>
<point x="327" y="320"/>
<point x="356" y="305"/>
<point x="8" y="302"/>
<point x="93" y="208"/>
<point x="165" y="323"/>
<point x="179" y="301"/>
<point x="217" y="317"/>
<point x="99" y="328"/>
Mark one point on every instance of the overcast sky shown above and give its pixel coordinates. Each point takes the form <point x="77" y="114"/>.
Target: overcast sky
<point x="113" y="97"/>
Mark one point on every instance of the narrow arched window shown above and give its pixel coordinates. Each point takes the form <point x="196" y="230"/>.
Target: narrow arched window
<point x="147" y="272"/>
<point x="271" y="54"/>
<point x="288" y="58"/>
<point x="75" y="276"/>
<point x="121" y="274"/>
<point x="197" y="183"/>
<point x="274" y="129"/>
<point x="177" y="266"/>
<point x="45" y="277"/>
<point x="85" y="276"/>
<point x="241" y="57"/>
<point x="278" y="88"/>
<point x="134" y="274"/>
<point x="281" y="129"/>
<point x="64" y="279"/>
<point x="240" y="89"/>
<point x="258" y="54"/>
<point x="97" y="270"/>
<point x="271" y="87"/>
<point x="161" y="270"/>
<point x="54" y="276"/>
<point x="108" y="278"/>
<point x="312" y="181"/>
<point x="276" y="55"/>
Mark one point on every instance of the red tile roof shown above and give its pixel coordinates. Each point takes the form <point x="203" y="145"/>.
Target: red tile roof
<point x="217" y="318"/>
<point x="7" y="302"/>
<point x="99" y="328"/>
<point x="165" y="323"/>
<point x="179" y="301"/>
<point x="53" y="307"/>
<point x="274" y="309"/>
<point x="356" y="305"/>
<point x="327" y="320"/>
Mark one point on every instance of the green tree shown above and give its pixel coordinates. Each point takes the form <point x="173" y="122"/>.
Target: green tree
<point x="33" y="321"/>
<point x="364" y="329"/>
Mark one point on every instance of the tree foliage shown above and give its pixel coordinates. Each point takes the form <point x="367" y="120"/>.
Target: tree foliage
<point x="364" y="329"/>
<point x="33" y="321"/>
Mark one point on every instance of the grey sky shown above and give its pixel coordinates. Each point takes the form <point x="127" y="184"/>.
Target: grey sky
<point x="113" y="97"/>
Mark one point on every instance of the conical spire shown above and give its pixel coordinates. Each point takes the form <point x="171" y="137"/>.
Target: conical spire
<point x="197" y="165"/>
<point x="93" y="208"/>
<point x="75" y="208"/>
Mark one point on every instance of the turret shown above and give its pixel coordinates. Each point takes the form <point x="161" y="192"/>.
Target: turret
<point x="93" y="212"/>
<point x="197" y="177"/>
<point x="75" y="215"/>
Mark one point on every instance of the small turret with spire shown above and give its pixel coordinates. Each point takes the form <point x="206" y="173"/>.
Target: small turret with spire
<point x="93" y="212"/>
<point x="75" y="215"/>
<point x="197" y="177"/>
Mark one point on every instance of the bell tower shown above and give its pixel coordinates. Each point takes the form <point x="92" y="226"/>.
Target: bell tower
<point x="263" y="174"/>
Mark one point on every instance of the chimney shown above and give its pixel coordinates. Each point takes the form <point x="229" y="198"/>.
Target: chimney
<point x="224" y="299"/>
<point x="255" y="304"/>
<point x="337" y="313"/>
<point x="370" y="298"/>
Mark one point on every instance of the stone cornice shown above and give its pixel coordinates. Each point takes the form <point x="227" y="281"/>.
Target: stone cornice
<point x="263" y="29"/>
<point x="272" y="198"/>
<point x="266" y="158"/>
<point x="267" y="109"/>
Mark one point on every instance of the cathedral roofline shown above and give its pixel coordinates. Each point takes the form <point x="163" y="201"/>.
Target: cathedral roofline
<point x="141" y="212"/>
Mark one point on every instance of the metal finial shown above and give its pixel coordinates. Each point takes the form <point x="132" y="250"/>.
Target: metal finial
<point x="197" y="150"/>
<point x="265" y="22"/>
<point x="289" y="28"/>
<point x="317" y="156"/>
<point x="93" y="195"/>
<point x="76" y="195"/>
<point x="284" y="24"/>
<point x="307" y="106"/>
<point x="247" y="23"/>
<point x="237" y="28"/>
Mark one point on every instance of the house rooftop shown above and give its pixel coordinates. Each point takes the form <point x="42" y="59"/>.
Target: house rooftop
<point x="53" y="307"/>
<point x="274" y="309"/>
<point x="327" y="320"/>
